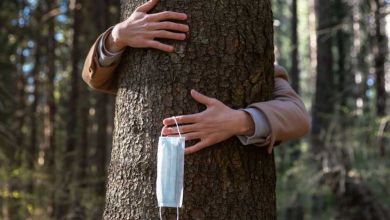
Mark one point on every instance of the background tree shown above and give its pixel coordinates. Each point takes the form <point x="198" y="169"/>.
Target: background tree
<point x="294" y="72"/>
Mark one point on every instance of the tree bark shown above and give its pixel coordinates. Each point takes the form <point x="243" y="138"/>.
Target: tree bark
<point x="33" y="143"/>
<point x="49" y="146"/>
<point x="295" y="48"/>
<point x="380" y="53"/>
<point x="323" y="106"/>
<point x="71" y="188"/>
<point x="101" y="111"/>
<point x="228" y="55"/>
<point x="312" y="36"/>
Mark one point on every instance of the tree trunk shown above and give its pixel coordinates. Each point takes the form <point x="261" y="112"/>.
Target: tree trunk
<point x="33" y="145"/>
<point x="101" y="111"/>
<point x="312" y="37"/>
<point x="228" y="55"/>
<point x="71" y="188"/>
<point x="323" y="104"/>
<point x="380" y="53"/>
<point x="48" y="146"/>
<point x="295" y="47"/>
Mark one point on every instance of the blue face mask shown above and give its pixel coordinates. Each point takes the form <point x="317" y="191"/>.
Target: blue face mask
<point x="170" y="171"/>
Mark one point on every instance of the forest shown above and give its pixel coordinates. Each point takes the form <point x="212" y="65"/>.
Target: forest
<point x="56" y="133"/>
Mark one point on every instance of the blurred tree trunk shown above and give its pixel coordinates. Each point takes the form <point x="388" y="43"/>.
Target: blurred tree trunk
<point x="228" y="56"/>
<point x="342" y="44"/>
<point x="32" y="150"/>
<point x="71" y="188"/>
<point x="345" y="80"/>
<point x="20" y="113"/>
<point x="323" y="105"/>
<point x="312" y="37"/>
<point x="380" y="53"/>
<point x="102" y="101"/>
<point x="294" y="72"/>
<point x="101" y="108"/>
<point x="49" y="145"/>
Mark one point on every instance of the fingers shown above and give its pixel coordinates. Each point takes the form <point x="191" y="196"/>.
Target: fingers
<point x="183" y="129"/>
<point x="164" y="35"/>
<point x="167" y="15"/>
<point x="192" y="136"/>
<point x="149" y="5"/>
<point x="201" y="98"/>
<point x="160" y="46"/>
<point x="183" y="119"/>
<point x="197" y="147"/>
<point x="167" y="25"/>
<point x="168" y="35"/>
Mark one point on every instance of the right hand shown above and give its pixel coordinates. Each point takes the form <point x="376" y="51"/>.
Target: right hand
<point x="141" y="29"/>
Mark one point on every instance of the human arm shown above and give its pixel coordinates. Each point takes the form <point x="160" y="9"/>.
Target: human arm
<point x="285" y="115"/>
<point x="138" y="31"/>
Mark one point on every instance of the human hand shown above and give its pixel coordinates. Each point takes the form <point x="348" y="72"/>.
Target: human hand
<point x="215" y="124"/>
<point x="141" y="29"/>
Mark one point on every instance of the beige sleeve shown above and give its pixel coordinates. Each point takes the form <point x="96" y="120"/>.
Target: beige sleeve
<point x="286" y="114"/>
<point x="96" y="76"/>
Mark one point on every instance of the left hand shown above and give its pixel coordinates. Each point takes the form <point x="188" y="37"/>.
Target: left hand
<point x="215" y="124"/>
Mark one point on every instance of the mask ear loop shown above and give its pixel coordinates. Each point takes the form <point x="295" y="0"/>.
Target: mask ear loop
<point x="177" y="213"/>
<point x="177" y="208"/>
<point x="177" y="125"/>
<point x="178" y="130"/>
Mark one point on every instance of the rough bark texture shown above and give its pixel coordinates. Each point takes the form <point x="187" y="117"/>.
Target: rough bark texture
<point x="228" y="55"/>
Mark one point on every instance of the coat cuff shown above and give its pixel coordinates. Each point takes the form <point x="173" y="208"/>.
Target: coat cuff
<point x="267" y="112"/>
<point x="262" y="128"/>
<point x="105" y="57"/>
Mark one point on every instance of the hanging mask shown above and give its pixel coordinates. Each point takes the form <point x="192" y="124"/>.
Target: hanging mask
<point x="170" y="171"/>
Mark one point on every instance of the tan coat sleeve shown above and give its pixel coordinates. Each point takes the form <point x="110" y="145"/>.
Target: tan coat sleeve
<point x="286" y="114"/>
<point x="96" y="76"/>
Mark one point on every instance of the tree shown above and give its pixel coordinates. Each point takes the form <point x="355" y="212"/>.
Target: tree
<point x="227" y="55"/>
<point x="101" y="108"/>
<point x="295" y="47"/>
<point x="49" y="141"/>
<point x="379" y="52"/>
<point x="71" y="188"/>
<point x="323" y="106"/>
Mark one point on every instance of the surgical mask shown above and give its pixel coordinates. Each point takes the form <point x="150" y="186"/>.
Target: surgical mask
<point x="170" y="171"/>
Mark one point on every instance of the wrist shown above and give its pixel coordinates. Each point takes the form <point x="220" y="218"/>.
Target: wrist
<point x="113" y="43"/>
<point x="245" y="124"/>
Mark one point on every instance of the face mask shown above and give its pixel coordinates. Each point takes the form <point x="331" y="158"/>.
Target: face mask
<point x="170" y="171"/>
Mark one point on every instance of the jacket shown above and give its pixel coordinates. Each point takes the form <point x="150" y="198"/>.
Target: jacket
<point x="285" y="113"/>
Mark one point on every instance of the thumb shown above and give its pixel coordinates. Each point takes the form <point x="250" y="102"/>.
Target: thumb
<point x="201" y="98"/>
